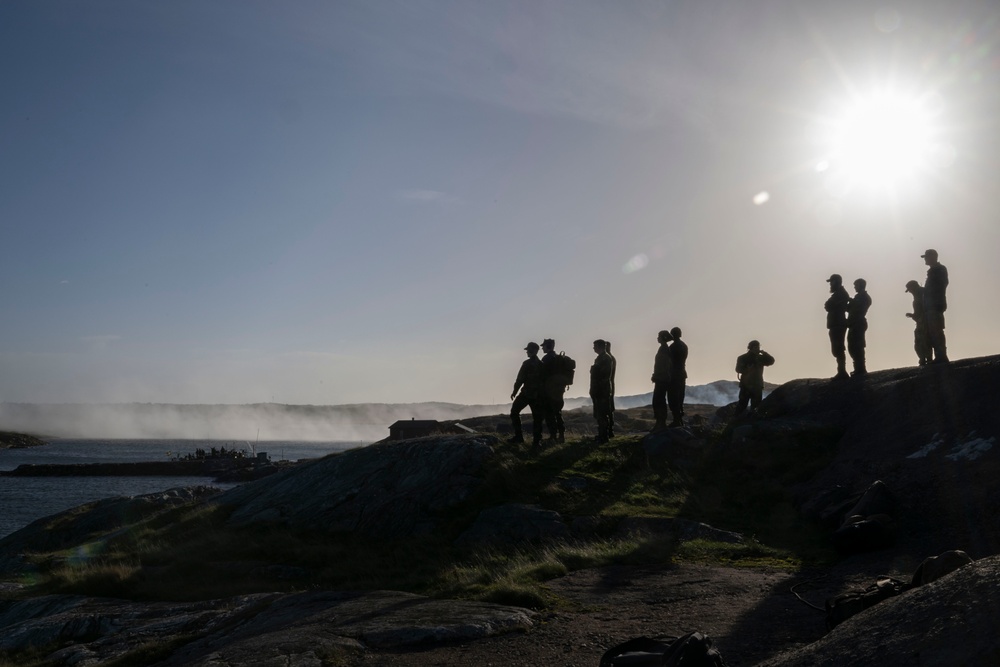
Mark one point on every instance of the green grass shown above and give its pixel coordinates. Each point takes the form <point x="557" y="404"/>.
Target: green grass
<point x="189" y="553"/>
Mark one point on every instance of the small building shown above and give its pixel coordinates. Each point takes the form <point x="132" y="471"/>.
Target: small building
<point x="418" y="428"/>
<point x="413" y="428"/>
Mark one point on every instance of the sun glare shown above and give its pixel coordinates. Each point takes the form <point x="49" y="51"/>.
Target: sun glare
<point x="882" y="141"/>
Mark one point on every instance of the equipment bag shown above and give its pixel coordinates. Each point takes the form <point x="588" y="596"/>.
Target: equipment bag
<point x="567" y="368"/>
<point x="842" y="607"/>
<point x="691" y="650"/>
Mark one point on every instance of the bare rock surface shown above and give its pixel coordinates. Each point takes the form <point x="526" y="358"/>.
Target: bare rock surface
<point x="389" y="490"/>
<point x="263" y="629"/>
<point x="514" y="523"/>
<point x="931" y="434"/>
<point x="951" y="621"/>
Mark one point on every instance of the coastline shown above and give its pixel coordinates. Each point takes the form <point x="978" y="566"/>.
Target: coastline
<point x="11" y="440"/>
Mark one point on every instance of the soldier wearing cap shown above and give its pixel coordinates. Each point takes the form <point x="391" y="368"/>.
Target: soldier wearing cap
<point x="935" y="303"/>
<point x="553" y="388"/>
<point x="600" y="390"/>
<point x="857" y="325"/>
<point x="750" y="372"/>
<point x="921" y="344"/>
<point x="529" y="383"/>
<point x="836" y="322"/>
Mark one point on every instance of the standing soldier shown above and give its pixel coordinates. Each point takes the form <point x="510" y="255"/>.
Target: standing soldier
<point x="529" y="383"/>
<point x="750" y="371"/>
<point x="935" y="304"/>
<point x="661" y="379"/>
<point x="678" y="377"/>
<point x="857" y="325"/>
<point x="836" y="322"/>
<point x="921" y="344"/>
<point x="553" y="388"/>
<point x="614" y="369"/>
<point x="600" y="390"/>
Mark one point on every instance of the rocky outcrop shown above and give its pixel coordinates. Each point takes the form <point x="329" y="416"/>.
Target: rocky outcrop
<point x="390" y="490"/>
<point x="10" y="440"/>
<point x="951" y="621"/>
<point x="252" y="630"/>
<point x="514" y="524"/>
<point x="98" y="520"/>
<point x="930" y="434"/>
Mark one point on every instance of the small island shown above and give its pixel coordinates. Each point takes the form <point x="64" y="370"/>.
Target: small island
<point x="10" y="440"/>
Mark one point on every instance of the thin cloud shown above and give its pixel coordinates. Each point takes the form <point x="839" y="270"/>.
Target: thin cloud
<point x="431" y="196"/>
<point x="101" y="341"/>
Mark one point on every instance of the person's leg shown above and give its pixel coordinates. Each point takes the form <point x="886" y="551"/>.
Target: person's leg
<point x="520" y="403"/>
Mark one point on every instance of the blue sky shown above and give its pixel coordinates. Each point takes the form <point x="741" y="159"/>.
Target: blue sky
<point x="337" y="202"/>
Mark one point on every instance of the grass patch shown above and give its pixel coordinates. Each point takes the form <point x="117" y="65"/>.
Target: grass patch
<point x="189" y="553"/>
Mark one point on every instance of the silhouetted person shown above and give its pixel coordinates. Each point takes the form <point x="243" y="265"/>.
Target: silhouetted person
<point x="836" y="322"/>
<point x="678" y="377"/>
<point x="553" y="388"/>
<point x="529" y="382"/>
<point x="857" y="325"/>
<point x="662" y="367"/>
<point x="614" y="369"/>
<point x="921" y="343"/>
<point x="935" y="304"/>
<point x="600" y="390"/>
<point x="750" y="371"/>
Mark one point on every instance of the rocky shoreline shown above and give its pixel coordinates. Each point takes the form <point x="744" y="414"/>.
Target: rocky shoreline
<point x="9" y="440"/>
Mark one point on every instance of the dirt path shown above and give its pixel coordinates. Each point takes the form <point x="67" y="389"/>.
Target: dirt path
<point x="750" y="614"/>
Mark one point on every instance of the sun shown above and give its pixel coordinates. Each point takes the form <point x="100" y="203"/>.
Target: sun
<point x="881" y="141"/>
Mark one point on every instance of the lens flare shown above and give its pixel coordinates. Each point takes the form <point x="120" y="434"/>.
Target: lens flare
<point x="637" y="263"/>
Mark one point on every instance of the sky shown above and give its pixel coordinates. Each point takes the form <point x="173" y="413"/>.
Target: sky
<point x="376" y="201"/>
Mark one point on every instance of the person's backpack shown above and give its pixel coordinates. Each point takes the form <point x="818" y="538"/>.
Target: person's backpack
<point x="567" y="368"/>
<point x="691" y="650"/>
<point x="842" y="607"/>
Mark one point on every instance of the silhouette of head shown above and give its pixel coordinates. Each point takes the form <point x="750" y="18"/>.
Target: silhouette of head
<point x="911" y="285"/>
<point x="532" y="348"/>
<point x="753" y="345"/>
<point x="664" y="336"/>
<point x="860" y="284"/>
<point x="835" y="280"/>
<point x="675" y="332"/>
<point x="930" y="256"/>
<point x="548" y="345"/>
<point x="600" y="345"/>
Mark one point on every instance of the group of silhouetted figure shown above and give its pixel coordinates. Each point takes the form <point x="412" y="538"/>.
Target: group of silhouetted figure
<point x="846" y="318"/>
<point x="541" y="382"/>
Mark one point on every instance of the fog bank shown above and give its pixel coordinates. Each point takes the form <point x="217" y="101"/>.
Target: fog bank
<point x="272" y="421"/>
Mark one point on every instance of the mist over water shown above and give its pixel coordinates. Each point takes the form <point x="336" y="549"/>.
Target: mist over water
<point x="359" y="423"/>
<point x="263" y="421"/>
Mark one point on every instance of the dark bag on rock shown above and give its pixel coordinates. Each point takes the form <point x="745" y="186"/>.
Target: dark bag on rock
<point x="691" y="650"/>
<point x="842" y="607"/>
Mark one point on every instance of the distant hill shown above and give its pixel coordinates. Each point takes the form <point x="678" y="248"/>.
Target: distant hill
<point x="360" y="422"/>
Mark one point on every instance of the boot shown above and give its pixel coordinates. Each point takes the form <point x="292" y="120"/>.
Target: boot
<point x="841" y="369"/>
<point x="561" y="436"/>
<point x="517" y="439"/>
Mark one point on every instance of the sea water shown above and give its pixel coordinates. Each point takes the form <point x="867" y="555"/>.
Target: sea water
<point x="25" y="499"/>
